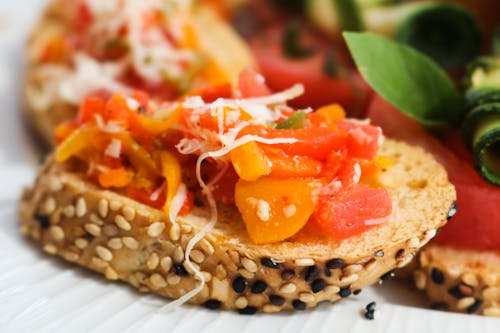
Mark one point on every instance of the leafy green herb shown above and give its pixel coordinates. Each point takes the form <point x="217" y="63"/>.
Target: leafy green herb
<point x="407" y="79"/>
<point x="291" y="43"/>
<point x="296" y="120"/>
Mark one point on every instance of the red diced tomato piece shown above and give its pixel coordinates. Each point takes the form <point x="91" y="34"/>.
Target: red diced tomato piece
<point x="252" y="84"/>
<point x="88" y="108"/>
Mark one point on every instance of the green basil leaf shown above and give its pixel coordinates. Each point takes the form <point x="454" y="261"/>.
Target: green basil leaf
<point x="407" y="79"/>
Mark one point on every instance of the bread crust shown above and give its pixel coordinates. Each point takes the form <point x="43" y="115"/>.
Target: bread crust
<point x="125" y="240"/>
<point x="460" y="280"/>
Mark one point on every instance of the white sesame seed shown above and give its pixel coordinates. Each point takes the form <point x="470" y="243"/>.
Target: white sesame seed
<point x="470" y="279"/>
<point x="206" y="275"/>
<point x="197" y="256"/>
<point x="178" y="255"/>
<point x="49" y="206"/>
<point x="246" y="274"/>
<point x="130" y="243"/>
<point x="104" y="253"/>
<point x="220" y="272"/>
<point x="99" y="263"/>
<point x="270" y="308"/>
<point x="263" y="210"/>
<point x="129" y="213"/>
<point x="406" y="260"/>
<point x="57" y="233"/>
<point x="186" y="228"/>
<point x="70" y="256"/>
<point x="166" y="264"/>
<point x="69" y="211"/>
<point x="288" y="288"/>
<point x="115" y="205"/>
<point x="80" y="207"/>
<point x="175" y="232"/>
<point x="157" y="281"/>
<point x="249" y="264"/>
<point x="349" y="279"/>
<point x="330" y="290"/>
<point x="110" y="273"/>
<point x="115" y="243"/>
<point x="102" y="208"/>
<point x="420" y="279"/>
<point x="54" y="184"/>
<point x="491" y="293"/>
<point x="192" y="267"/>
<point x="81" y="243"/>
<point x="50" y="248"/>
<point x="122" y="223"/>
<point x="153" y="261"/>
<point x="304" y="262"/>
<point x="465" y="302"/>
<point x="351" y="269"/>
<point x="289" y="210"/>
<point x="241" y="302"/>
<point x="492" y="312"/>
<point x="110" y="230"/>
<point x="206" y="247"/>
<point x="306" y="297"/>
<point x="143" y="213"/>
<point x="95" y="219"/>
<point x="155" y="229"/>
<point x="93" y="229"/>
<point x="173" y="279"/>
<point x="220" y="289"/>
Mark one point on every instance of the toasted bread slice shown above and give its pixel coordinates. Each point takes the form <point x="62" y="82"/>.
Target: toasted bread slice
<point x="44" y="108"/>
<point x="460" y="280"/>
<point x="125" y="240"/>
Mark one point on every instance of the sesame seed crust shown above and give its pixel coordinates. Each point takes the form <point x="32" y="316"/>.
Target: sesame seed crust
<point x="128" y="241"/>
<point x="459" y="280"/>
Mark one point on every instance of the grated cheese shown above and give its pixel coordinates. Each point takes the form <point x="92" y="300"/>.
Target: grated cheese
<point x="114" y="148"/>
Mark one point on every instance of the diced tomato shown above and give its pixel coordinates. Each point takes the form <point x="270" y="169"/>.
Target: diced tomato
<point x="144" y="195"/>
<point x="188" y="204"/>
<point x="334" y="163"/>
<point x="142" y="97"/>
<point x="362" y="140"/>
<point x="223" y="190"/>
<point x="349" y="212"/>
<point x="88" y="108"/>
<point x="252" y="84"/>
<point x="477" y="222"/>
<point x="83" y="17"/>
<point x="315" y="142"/>
<point x="213" y="92"/>
<point x="346" y="88"/>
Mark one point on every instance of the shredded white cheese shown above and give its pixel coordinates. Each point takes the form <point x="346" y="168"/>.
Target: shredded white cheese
<point x="114" y="148"/>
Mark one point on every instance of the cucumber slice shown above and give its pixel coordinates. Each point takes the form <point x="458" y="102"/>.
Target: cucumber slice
<point x="487" y="149"/>
<point x="476" y="117"/>
<point x="479" y="96"/>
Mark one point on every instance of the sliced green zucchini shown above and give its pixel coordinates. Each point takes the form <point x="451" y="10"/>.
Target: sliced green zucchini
<point x="487" y="149"/>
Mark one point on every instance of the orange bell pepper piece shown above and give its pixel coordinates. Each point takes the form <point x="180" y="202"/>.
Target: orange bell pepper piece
<point x="250" y="162"/>
<point x="171" y="171"/>
<point x="120" y="177"/>
<point x="327" y="115"/>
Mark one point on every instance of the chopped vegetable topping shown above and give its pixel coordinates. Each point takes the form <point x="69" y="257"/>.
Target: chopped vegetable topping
<point x="311" y="167"/>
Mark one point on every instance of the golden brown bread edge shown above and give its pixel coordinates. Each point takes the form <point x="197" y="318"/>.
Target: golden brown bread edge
<point x="460" y="280"/>
<point x="128" y="241"/>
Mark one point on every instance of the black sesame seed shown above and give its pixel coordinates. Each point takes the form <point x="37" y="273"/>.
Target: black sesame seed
<point x="453" y="210"/>
<point x="328" y="273"/>
<point x="268" y="262"/>
<point x="455" y="292"/>
<point x="438" y="231"/>
<point x="249" y="310"/>
<point x="287" y="274"/>
<point x="258" y="287"/>
<point x="212" y="304"/>
<point x="474" y="307"/>
<point x="310" y="273"/>
<point x="335" y="263"/>
<point x="299" y="305"/>
<point x="43" y="221"/>
<point x="142" y="109"/>
<point x="400" y="253"/>
<point x="345" y="292"/>
<point x="371" y="306"/>
<point x="370" y="315"/>
<point x="318" y="285"/>
<point x="356" y="292"/>
<point x="439" y="306"/>
<point x="388" y="275"/>
<point x="379" y="254"/>
<point x="437" y="276"/>
<point x="276" y="300"/>
<point x="239" y="284"/>
<point x="180" y="270"/>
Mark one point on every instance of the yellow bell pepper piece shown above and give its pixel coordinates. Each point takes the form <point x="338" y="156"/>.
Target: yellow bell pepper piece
<point x="171" y="170"/>
<point x="250" y="162"/>
<point x="75" y="142"/>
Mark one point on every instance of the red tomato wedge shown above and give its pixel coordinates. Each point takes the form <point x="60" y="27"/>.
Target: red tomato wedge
<point x="346" y="88"/>
<point x="350" y="212"/>
<point x="477" y="222"/>
<point x="252" y="84"/>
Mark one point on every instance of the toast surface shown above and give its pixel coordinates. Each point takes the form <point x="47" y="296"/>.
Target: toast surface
<point x="460" y="280"/>
<point x="125" y="240"/>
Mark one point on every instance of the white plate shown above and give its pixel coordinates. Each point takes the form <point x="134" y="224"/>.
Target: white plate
<point x="39" y="293"/>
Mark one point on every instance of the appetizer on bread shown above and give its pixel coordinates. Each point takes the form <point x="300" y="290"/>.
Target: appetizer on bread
<point x="232" y="199"/>
<point x="87" y="47"/>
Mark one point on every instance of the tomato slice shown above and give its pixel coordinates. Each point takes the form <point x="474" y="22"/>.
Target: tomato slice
<point x="350" y="212"/>
<point x="252" y="84"/>
<point x="346" y="88"/>
<point x="315" y="142"/>
<point x="362" y="140"/>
